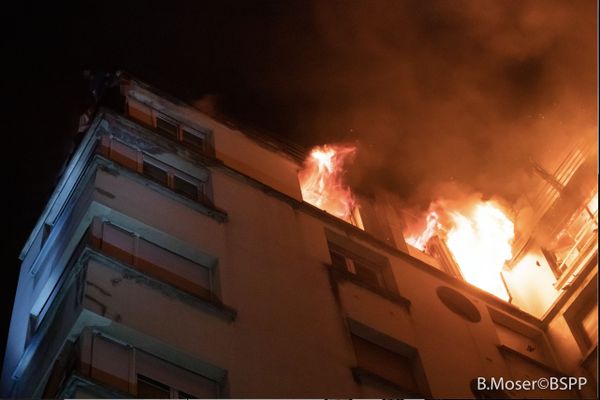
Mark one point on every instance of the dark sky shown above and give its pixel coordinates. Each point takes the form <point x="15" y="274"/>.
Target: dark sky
<point x="440" y="91"/>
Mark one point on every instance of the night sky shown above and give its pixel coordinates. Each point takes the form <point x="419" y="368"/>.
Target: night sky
<point x="432" y="92"/>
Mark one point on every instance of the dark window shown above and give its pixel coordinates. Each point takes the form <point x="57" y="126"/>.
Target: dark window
<point x="155" y="173"/>
<point x="337" y="259"/>
<point x="151" y="389"/>
<point x="373" y="272"/>
<point x="184" y="395"/>
<point x="166" y="128"/>
<point x="195" y="139"/>
<point x="386" y="364"/>
<point x="185" y="188"/>
<point x="368" y="274"/>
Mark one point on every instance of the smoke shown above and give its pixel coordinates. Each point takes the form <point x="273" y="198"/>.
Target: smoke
<point x="463" y="92"/>
<point x="436" y="93"/>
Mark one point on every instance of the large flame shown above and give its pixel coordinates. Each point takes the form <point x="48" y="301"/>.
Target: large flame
<point x="322" y="184"/>
<point x="479" y="239"/>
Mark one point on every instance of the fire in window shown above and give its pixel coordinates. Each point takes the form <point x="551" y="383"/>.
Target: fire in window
<point x="322" y="183"/>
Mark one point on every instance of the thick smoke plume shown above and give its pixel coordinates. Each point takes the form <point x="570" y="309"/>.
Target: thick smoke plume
<point x="464" y="92"/>
<point x="437" y="92"/>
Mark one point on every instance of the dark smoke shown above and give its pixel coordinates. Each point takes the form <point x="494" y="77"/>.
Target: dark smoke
<point x="436" y="92"/>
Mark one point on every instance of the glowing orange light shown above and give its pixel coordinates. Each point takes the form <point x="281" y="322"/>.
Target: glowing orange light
<point x="322" y="184"/>
<point x="432" y="227"/>
<point x="480" y="240"/>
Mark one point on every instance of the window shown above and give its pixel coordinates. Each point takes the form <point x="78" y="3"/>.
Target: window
<point x="576" y="240"/>
<point x="366" y="271"/>
<point x="152" y="259"/>
<point x="174" y="179"/>
<point x="354" y="262"/>
<point x="166" y="127"/>
<point x="520" y="337"/>
<point x="368" y="274"/>
<point x="192" y="138"/>
<point x="150" y="389"/>
<point x="197" y="140"/>
<point x="155" y="173"/>
<point x="522" y="367"/>
<point x="193" y="187"/>
<point x="185" y="188"/>
<point x="384" y="361"/>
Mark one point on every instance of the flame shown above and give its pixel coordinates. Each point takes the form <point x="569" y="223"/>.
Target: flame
<point x="432" y="227"/>
<point x="479" y="239"/>
<point x="322" y="184"/>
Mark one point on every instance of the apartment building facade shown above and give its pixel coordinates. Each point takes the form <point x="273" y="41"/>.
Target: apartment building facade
<point x="177" y="259"/>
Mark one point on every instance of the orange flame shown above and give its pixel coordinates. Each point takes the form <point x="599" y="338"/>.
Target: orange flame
<point x="432" y="227"/>
<point x="479" y="239"/>
<point x="322" y="184"/>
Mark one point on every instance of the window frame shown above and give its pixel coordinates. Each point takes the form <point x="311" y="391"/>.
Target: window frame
<point x="174" y="393"/>
<point x="203" y="193"/>
<point x="169" y="120"/>
<point x="204" y="136"/>
<point x="350" y="262"/>
<point x="382" y="342"/>
<point x="583" y="242"/>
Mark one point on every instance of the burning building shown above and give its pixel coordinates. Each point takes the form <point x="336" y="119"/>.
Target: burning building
<point x="181" y="258"/>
